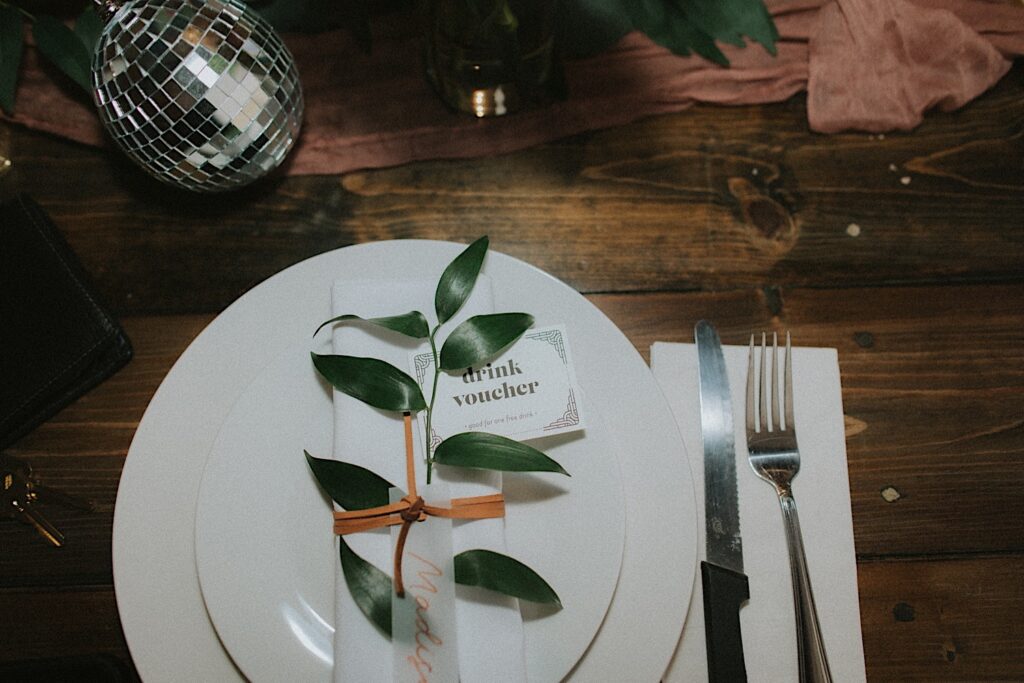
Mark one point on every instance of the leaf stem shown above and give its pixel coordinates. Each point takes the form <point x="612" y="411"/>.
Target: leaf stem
<point x="430" y="406"/>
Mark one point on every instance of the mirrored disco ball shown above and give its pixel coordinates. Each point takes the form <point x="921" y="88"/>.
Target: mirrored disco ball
<point x="202" y="95"/>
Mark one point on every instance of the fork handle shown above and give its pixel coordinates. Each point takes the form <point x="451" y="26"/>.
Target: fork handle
<point x="810" y="646"/>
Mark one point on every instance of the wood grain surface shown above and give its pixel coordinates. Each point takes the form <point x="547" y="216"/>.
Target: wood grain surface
<point x="905" y="252"/>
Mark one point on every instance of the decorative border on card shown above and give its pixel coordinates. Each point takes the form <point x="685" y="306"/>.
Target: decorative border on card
<point x="570" y="418"/>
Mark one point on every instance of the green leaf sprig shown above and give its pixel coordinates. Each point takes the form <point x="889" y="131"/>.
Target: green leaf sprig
<point x="470" y="344"/>
<point x="695" y="25"/>
<point x="585" y="27"/>
<point x="371" y="588"/>
<point x="357" y="488"/>
<point x="70" y="50"/>
<point x="384" y="386"/>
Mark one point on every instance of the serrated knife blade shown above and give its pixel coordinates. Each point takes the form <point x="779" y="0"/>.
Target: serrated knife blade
<point x="725" y="585"/>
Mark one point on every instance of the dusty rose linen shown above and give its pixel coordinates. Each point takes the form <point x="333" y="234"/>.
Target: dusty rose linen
<point x="879" y="65"/>
<point x="870" y="65"/>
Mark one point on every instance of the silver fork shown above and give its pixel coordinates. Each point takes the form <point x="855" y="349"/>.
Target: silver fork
<point x="771" y="443"/>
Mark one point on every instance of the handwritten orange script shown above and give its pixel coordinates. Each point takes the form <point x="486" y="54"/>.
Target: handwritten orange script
<point x="419" y="591"/>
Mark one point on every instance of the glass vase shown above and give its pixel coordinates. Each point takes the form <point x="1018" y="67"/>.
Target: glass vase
<point x="492" y="57"/>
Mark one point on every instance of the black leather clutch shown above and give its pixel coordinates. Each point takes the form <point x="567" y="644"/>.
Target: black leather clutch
<point x="56" y="340"/>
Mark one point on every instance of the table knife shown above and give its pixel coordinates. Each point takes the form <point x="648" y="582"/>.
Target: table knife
<point x="725" y="584"/>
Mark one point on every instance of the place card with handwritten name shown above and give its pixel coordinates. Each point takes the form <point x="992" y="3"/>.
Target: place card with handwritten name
<point x="423" y="628"/>
<point x="527" y="392"/>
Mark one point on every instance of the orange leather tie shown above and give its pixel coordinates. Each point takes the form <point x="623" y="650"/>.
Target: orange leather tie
<point x="412" y="508"/>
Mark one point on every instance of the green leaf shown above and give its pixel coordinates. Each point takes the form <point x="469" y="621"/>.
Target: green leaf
<point x="458" y="279"/>
<point x="731" y="20"/>
<point x="412" y="324"/>
<point x="11" y="44"/>
<point x="88" y="27"/>
<point x="372" y="381"/>
<point x="369" y="586"/>
<point x="482" y="450"/>
<point x="683" y="27"/>
<point x="667" y="24"/>
<point x="482" y="337"/>
<point x="60" y="45"/>
<point x="351" y="486"/>
<point x="503" y="574"/>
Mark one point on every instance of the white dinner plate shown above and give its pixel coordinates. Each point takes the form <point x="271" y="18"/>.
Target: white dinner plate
<point x="265" y="551"/>
<point x="163" y="615"/>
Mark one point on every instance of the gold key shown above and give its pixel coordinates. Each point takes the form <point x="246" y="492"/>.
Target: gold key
<point x="21" y="491"/>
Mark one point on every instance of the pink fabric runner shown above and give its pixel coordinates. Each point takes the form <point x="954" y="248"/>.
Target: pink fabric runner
<point x="872" y="65"/>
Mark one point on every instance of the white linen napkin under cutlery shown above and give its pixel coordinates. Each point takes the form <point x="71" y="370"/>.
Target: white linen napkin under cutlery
<point x="822" y="492"/>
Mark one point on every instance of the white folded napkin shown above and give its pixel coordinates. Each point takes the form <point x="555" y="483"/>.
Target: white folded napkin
<point x="822" y="494"/>
<point x="490" y="629"/>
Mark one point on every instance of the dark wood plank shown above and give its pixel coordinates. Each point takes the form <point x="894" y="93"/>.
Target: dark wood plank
<point x="48" y="624"/>
<point x="953" y="620"/>
<point x="710" y="198"/>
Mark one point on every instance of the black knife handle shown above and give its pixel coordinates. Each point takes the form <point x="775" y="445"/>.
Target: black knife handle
<point x="724" y="592"/>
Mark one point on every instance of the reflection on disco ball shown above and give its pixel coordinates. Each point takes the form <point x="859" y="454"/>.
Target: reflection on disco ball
<point x="203" y="95"/>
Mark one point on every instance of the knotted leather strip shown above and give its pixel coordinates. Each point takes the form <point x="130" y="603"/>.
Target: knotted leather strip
<point x="411" y="508"/>
<point x="478" y="507"/>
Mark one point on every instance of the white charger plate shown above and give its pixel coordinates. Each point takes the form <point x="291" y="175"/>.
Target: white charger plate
<point x="266" y="555"/>
<point x="165" y="621"/>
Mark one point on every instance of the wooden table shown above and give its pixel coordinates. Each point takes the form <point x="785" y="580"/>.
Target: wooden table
<point x="904" y="251"/>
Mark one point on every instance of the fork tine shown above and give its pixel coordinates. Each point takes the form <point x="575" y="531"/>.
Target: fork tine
<point x="790" y="424"/>
<point x="751" y="417"/>
<point x="776" y="416"/>
<point x="762" y="415"/>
